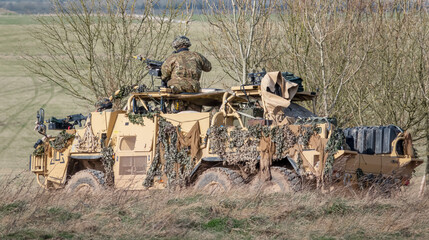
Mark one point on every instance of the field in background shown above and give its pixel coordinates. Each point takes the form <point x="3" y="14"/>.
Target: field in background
<point x="22" y="94"/>
<point x="28" y="212"/>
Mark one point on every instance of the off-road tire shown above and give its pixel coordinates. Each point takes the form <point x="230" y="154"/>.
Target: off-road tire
<point x="86" y="181"/>
<point x="282" y="180"/>
<point x="218" y="180"/>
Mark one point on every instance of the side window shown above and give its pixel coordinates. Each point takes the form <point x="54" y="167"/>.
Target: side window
<point x="140" y="163"/>
<point x="132" y="165"/>
<point x="127" y="143"/>
<point x="125" y="165"/>
<point x="400" y="147"/>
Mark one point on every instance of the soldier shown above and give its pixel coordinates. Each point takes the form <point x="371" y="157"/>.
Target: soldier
<point x="183" y="68"/>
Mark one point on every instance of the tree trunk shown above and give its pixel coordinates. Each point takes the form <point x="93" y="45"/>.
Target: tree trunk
<point x="426" y="132"/>
<point x="425" y="179"/>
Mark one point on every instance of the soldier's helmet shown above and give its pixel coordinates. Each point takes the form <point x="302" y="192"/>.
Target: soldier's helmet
<point x="181" y="41"/>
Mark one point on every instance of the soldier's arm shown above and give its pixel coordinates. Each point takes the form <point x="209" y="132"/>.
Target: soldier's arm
<point x="167" y="68"/>
<point x="206" y="66"/>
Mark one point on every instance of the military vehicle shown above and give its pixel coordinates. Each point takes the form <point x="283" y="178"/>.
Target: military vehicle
<point x="256" y="135"/>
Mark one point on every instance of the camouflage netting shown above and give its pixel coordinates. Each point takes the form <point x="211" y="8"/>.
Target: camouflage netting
<point x="108" y="160"/>
<point x="139" y="118"/>
<point x="306" y="133"/>
<point x="246" y="154"/>
<point x="39" y="151"/>
<point x="336" y="142"/>
<point x="61" y="141"/>
<point x="155" y="167"/>
<point x="88" y="142"/>
<point x="240" y="148"/>
<point x="284" y="139"/>
<point x="175" y="157"/>
<point x="315" y="120"/>
<point x="236" y="147"/>
<point x="124" y="91"/>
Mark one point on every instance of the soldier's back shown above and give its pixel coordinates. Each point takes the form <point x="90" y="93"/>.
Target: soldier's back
<point x="186" y="68"/>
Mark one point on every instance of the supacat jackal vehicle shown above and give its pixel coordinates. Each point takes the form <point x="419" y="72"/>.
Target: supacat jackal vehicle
<point x="256" y="135"/>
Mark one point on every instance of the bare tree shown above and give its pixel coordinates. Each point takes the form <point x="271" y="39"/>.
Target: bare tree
<point x="89" y="44"/>
<point x="243" y="35"/>
<point x="324" y="43"/>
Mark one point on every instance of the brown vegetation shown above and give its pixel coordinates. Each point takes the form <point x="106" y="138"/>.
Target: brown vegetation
<point x="28" y="212"/>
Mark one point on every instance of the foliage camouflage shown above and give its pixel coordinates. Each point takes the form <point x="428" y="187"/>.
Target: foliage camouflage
<point x="336" y="142"/>
<point x="306" y="133"/>
<point x="284" y="139"/>
<point x="61" y="140"/>
<point x="108" y="160"/>
<point x="167" y="141"/>
<point x="246" y="154"/>
<point x="244" y="144"/>
<point x="39" y="151"/>
<point x="139" y="118"/>
<point x="124" y="91"/>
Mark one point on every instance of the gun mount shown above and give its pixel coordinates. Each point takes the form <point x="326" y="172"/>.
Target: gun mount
<point x="154" y="68"/>
<point x="40" y="125"/>
<point x="66" y="123"/>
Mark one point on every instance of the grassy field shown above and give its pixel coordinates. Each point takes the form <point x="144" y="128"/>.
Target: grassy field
<point x="22" y="94"/>
<point x="28" y="212"/>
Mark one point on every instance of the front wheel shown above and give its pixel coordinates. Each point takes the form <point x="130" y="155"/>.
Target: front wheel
<point x="86" y="181"/>
<point x="218" y="180"/>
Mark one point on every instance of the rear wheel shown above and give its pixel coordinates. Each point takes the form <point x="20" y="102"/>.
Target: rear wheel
<point x="218" y="180"/>
<point x="282" y="180"/>
<point x="86" y="181"/>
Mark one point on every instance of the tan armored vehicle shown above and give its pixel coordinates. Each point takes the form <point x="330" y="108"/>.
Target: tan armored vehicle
<point x="256" y="135"/>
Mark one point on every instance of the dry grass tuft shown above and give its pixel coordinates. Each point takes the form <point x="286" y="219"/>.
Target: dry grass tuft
<point x="29" y="212"/>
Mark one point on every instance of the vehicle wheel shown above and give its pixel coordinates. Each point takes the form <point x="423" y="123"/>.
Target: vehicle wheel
<point x="218" y="180"/>
<point x="86" y="181"/>
<point x="282" y="180"/>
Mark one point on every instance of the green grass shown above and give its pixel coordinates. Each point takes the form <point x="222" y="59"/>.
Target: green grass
<point x="224" y="224"/>
<point x="58" y="214"/>
<point x="151" y="215"/>
<point x="11" y="208"/>
<point x="22" y="94"/>
<point x="15" y="19"/>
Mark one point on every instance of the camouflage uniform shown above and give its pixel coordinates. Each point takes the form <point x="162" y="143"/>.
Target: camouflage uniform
<point x="183" y="70"/>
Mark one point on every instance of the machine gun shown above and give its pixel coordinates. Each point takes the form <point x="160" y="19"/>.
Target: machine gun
<point x="66" y="123"/>
<point x="154" y="68"/>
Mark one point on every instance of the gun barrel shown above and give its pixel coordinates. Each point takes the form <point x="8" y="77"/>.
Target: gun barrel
<point x="66" y="123"/>
<point x="153" y="65"/>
